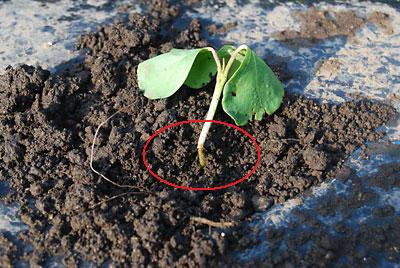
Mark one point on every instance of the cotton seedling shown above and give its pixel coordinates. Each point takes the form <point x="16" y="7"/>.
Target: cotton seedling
<point x="250" y="88"/>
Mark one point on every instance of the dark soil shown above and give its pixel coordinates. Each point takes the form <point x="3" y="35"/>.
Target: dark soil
<point x="46" y="130"/>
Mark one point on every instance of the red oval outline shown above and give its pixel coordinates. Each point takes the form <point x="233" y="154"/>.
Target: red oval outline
<point x="201" y="188"/>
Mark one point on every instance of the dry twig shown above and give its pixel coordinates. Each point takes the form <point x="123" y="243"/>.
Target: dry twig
<point x="227" y="224"/>
<point x="103" y="176"/>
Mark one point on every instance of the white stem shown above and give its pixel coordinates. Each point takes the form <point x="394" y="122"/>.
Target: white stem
<point x="211" y="110"/>
<point x="222" y="76"/>
<point x="210" y="115"/>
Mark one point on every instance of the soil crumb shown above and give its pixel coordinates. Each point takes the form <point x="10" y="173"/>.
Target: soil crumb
<point x="46" y="130"/>
<point x="381" y="19"/>
<point x="328" y="68"/>
<point x="214" y="29"/>
<point x="318" y="25"/>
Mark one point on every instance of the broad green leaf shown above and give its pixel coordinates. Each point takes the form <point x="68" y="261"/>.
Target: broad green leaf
<point x="163" y="75"/>
<point x="252" y="90"/>
<point x="203" y="69"/>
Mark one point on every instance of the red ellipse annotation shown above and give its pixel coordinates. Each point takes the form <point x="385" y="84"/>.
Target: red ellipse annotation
<point x="144" y="151"/>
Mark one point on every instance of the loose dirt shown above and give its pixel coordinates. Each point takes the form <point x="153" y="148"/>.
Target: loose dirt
<point x="46" y="130"/>
<point x="316" y="25"/>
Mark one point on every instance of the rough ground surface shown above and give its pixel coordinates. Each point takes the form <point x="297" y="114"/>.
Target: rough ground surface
<point x="46" y="130"/>
<point x="318" y="25"/>
<point x="373" y="242"/>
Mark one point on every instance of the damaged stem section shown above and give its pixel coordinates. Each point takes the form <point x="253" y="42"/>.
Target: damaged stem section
<point x="222" y="76"/>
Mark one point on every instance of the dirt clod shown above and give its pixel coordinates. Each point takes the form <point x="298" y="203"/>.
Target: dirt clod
<point x="316" y="159"/>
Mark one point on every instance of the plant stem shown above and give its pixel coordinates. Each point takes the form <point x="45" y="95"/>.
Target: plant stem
<point x="222" y="76"/>
<point x="221" y="79"/>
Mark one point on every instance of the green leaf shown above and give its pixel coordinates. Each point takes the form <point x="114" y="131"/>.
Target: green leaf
<point x="225" y="52"/>
<point x="163" y="75"/>
<point x="203" y="69"/>
<point x="252" y="90"/>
